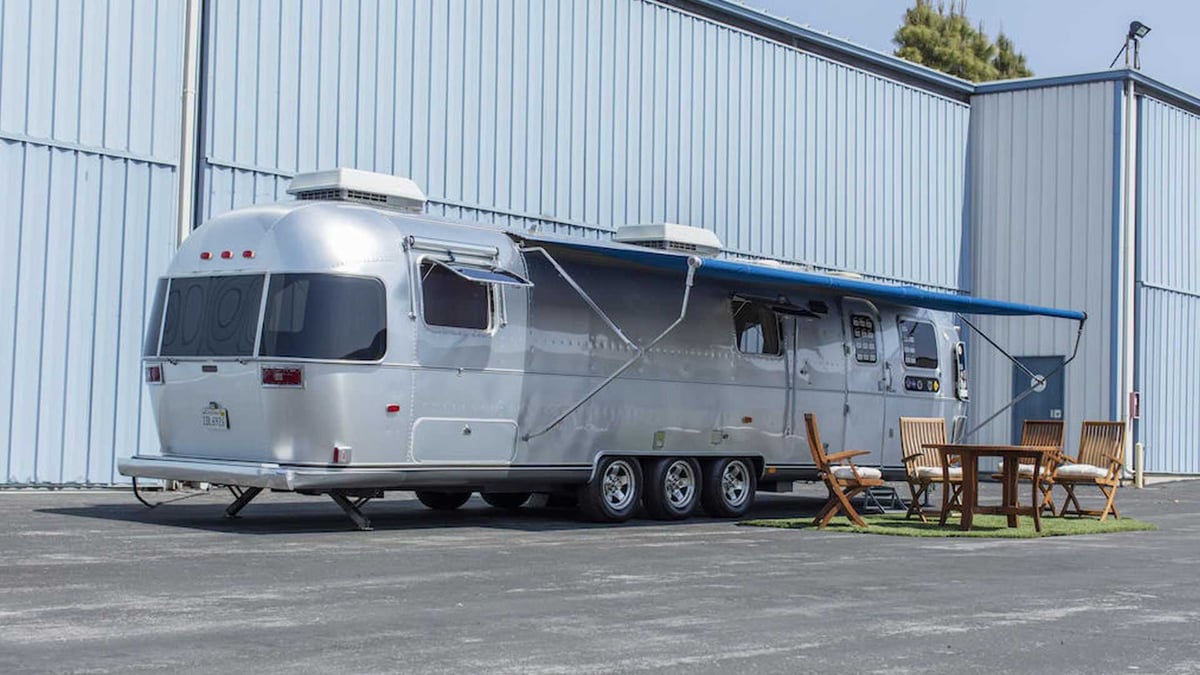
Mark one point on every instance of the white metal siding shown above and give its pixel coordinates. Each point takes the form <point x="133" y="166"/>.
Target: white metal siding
<point x="89" y="115"/>
<point x="1168" y="292"/>
<point x="580" y="116"/>
<point x="1041" y="195"/>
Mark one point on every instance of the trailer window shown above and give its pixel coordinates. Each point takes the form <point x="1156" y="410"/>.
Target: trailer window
<point x="448" y="299"/>
<point x="325" y="316"/>
<point x="212" y="316"/>
<point x="758" y="328"/>
<point x="865" y="348"/>
<point x="154" y="324"/>
<point x="919" y="342"/>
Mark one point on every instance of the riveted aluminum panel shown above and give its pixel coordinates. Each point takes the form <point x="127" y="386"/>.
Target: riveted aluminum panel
<point x="1168" y="292"/>
<point x="1041" y="200"/>
<point x="581" y="115"/>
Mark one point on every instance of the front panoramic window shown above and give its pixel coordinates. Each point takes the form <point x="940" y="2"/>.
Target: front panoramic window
<point x="325" y="316"/>
<point x="212" y="316"/>
<point x="919" y="342"/>
<point x="758" y="328"/>
<point x="450" y="299"/>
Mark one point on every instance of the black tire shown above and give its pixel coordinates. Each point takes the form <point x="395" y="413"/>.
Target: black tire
<point x="729" y="487"/>
<point x="673" y="487"/>
<point x="506" y="500"/>
<point x="443" y="501"/>
<point x="612" y="496"/>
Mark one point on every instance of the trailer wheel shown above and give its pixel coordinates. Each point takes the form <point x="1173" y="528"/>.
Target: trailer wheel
<point x="443" y="501"/>
<point x="672" y="488"/>
<point x="505" y="500"/>
<point x="729" y="485"/>
<point x="612" y="496"/>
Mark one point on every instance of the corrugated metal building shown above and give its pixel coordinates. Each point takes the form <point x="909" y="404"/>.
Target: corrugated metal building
<point x="564" y="116"/>
<point x="1083" y="194"/>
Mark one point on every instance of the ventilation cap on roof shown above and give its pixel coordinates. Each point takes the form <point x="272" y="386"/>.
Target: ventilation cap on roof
<point x="671" y="237"/>
<point x="364" y="187"/>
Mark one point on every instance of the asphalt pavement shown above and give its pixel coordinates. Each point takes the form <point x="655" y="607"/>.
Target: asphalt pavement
<point x="93" y="582"/>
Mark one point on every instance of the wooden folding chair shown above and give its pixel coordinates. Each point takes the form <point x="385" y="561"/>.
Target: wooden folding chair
<point x="844" y="479"/>
<point x="1099" y="462"/>
<point x="1046" y="433"/>
<point x="923" y="466"/>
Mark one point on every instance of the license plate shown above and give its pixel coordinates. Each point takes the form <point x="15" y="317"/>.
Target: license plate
<point x="214" y="418"/>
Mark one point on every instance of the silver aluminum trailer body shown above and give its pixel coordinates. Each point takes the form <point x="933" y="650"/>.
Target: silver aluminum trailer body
<point x="460" y="369"/>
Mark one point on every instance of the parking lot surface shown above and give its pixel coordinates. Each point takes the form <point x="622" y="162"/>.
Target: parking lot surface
<point x="94" y="582"/>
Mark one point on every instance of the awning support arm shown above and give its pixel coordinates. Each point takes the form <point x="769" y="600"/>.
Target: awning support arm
<point x="693" y="263"/>
<point x="582" y="293"/>
<point x="1023" y="395"/>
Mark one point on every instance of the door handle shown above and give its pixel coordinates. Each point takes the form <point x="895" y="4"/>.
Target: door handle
<point x="885" y="383"/>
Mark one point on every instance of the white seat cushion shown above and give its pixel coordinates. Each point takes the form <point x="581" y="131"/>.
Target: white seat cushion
<point x="1081" y="471"/>
<point x="863" y="472"/>
<point x="933" y="472"/>
<point x="1025" y="470"/>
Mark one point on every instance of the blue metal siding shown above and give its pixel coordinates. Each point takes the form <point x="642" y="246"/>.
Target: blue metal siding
<point x="1042" y="201"/>
<point x="1169" y="288"/>
<point x="89" y="117"/>
<point x="100" y="75"/>
<point x="590" y="115"/>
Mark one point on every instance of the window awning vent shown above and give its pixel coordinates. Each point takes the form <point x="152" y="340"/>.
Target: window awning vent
<point x="485" y="275"/>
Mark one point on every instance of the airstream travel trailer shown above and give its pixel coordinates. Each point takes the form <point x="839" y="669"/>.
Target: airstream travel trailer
<point x="346" y="344"/>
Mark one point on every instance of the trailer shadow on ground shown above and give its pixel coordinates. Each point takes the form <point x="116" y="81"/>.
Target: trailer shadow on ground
<point x="285" y="514"/>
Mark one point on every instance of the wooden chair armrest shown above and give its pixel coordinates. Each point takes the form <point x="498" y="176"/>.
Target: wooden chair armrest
<point x="1119" y="461"/>
<point x="913" y="456"/>
<point x="845" y="454"/>
<point x="1068" y="459"/>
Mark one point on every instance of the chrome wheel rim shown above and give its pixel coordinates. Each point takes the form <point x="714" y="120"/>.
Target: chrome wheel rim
<point x="679" y="484"/>
<point x="617" y="485"/>
<point x="735" y="483"/>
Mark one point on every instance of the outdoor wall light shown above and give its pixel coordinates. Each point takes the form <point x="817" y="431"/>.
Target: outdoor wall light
<point x="1137" y="31"/>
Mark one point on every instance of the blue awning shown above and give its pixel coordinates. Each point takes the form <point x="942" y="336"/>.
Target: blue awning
<point x="780" y="278"/>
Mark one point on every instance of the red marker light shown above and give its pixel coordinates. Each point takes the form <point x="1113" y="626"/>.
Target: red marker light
<point x="393" y="408"/>
<point x="154" y="374"/>
<point x="205" y="255"/>
<point x="283" y="377"/>
<point x="226" y="255"/>
<point x="247" y="253"/>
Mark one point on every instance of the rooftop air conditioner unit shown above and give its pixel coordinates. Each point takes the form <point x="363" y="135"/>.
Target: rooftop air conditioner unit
<point x="671" y="237"/>
<point x="363" y="187"/>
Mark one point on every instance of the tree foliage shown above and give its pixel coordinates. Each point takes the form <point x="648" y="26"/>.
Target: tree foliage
<point x="945" y="40"/>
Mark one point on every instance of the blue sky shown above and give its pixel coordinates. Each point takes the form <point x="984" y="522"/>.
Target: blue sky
<point x="1058" y="37"/>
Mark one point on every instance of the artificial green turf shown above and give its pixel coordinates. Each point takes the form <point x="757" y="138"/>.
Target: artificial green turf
<point x="987" y="526"/>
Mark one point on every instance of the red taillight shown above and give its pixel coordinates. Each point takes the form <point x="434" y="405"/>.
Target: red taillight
<point x="154" y="374"/>
<point x="226" y="255"/>
<point x="205" y="255"/>
<point x="247" y="254"/>
<point x="393" y="408"/>
<point x="283" y="377"/>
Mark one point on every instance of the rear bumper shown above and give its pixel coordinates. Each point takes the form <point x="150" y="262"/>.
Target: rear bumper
<point x="318" y="478"/>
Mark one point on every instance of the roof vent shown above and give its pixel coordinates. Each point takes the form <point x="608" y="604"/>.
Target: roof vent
<point x="671" y="237"/>
<point x="363" y="187"/>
